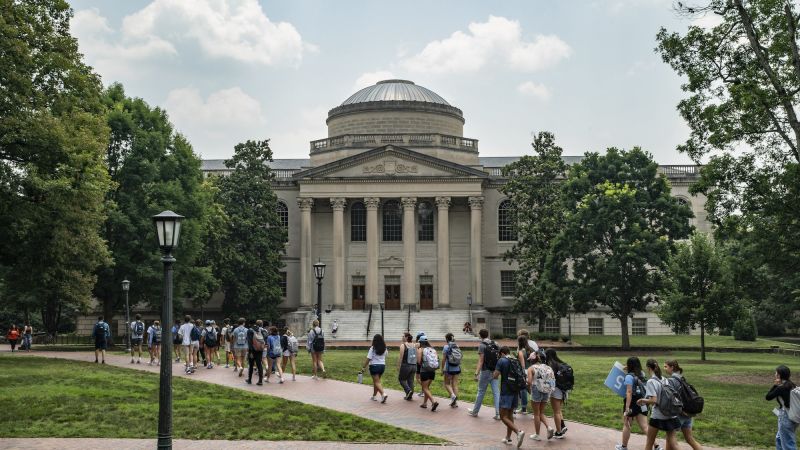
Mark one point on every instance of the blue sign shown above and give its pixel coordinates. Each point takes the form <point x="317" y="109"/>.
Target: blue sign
<point x="616" y="379"/>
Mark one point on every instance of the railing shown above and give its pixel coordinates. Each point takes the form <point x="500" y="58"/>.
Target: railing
<point x="408" y="322"/>
<point x="411" y="139"/>
<point x="369" y="321"/>
<point x="285" y="173"/>
<point x="680" y="170"/>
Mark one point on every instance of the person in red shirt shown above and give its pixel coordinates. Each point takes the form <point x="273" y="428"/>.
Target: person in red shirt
<point x="13" y="336"/>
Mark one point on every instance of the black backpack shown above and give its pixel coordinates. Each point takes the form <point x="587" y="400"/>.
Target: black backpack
<point x="100" y="330"/>
<point x="491" y="354"/>
<point x="211" y="338"/>
<point x="195" y="334"/>
<point x="138" y="328"/>
<point x="692" y="402"/>
<point x="637" y="392"/>
<point x="318" y="343"/>
<point x="516" y="380"/>
<point x="565" y="378"/>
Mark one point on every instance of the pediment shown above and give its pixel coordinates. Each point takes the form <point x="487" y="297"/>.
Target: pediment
<point x="390" y="161"/>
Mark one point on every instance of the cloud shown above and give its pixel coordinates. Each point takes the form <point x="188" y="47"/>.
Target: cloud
<point x="707" y="21"/>
<point x="531" y="89"/>
<point x="306" y="125"/>
<point x="498" y="40"/>
<point x="215" y="124"/>
<point x="370" y="78"/>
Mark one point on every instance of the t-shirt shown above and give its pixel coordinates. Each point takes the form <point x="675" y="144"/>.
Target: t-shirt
<point x="186" y="331"/>
<point x="482" y="349"/>
<point x="234" y="338"/>
<point x="503" y="366"/>
<point x="134" y="326"/>
<point x="318" y="332"/>
<point x="653" y="389"/>
<point x="629" y="381"/>
<point x="209" y="329"/>
<point x="375" y="359"/>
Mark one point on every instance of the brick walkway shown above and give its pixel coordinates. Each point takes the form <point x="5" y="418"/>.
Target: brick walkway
<point x="179" y="444"/>
<point x="451" y="424"/>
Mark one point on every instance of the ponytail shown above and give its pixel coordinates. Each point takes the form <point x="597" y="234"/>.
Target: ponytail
<point x="675" y="367"/>
<point x="652" y="364"/>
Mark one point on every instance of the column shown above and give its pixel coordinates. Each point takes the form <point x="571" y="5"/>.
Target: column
<point x="443" y="251"/>
<point x="409" y="251"/>
<point x="306" y="270"/>
<point x="372" y="249"/>
<point x="476" y="209"/>
<point x="339" y="268"/>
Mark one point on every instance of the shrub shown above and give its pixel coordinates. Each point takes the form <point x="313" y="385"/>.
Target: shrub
<point x="744" y="329"/>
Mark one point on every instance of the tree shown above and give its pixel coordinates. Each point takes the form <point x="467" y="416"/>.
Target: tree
<point x="620" y="227"/>
<point x="248" y="252"/>
<point x="534" y="190"/>
<point x="699" y="292"/>
<point x="52" y="174"/>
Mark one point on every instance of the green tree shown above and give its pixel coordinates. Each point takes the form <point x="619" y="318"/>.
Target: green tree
<point x="620" y="227"/>
<point x="52" y="174"/>
<point x="248" y="252"/>
<point x="534" y="190"/>
<point x="699" y="291"/>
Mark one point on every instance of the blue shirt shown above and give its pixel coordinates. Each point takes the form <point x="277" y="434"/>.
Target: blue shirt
<point x="503" y="366"/>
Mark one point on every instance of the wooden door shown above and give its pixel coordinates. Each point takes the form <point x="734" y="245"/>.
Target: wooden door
<point x="425" y="296"/>
<point x="358" y="297"/>
<point x="392" y="296"/>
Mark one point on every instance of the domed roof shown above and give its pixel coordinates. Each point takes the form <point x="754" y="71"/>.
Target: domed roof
<point x="395" y="90"/>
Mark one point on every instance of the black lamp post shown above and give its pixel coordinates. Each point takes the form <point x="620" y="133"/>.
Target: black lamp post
<point x="382" y="302"/>
<point x="469" y="306"/>
<point x="319" y="273"/>
<point x="168" y="230"/>
<point x="126" y="285"/>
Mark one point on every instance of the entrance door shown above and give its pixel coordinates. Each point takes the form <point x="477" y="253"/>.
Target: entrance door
<point x="392" y="296"/>
<point x="358" y="297"/>
<point x="425" y="296"/>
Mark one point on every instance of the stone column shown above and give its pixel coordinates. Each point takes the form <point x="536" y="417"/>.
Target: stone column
<point x="372" y="249"/>
<point x="443" y="251"/>
<point x="476" y="209"/>
<point x="339" y="269"/>
<point x="409" y="251"/>
<point x="305" y="205"/>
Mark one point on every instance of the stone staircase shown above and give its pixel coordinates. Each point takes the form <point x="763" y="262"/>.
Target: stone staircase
<point x="435" y="324"/>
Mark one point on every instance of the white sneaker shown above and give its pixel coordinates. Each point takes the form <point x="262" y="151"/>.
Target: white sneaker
<point x="506" y="441"/>
<point x="472" y="413"/>
<point x="536" y="437"/>
<point x="520" y="438"/>
<point x="373" y="399"/>
<point x="620" y="447"/>
<point x="421" y="394"/>
<point x="227" y="366"/>
<point x="294" y="378"/>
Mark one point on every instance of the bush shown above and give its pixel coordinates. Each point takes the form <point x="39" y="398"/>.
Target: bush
<point x="744" y="329"/>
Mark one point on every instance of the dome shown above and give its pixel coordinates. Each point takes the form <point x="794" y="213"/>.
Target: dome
<point x="395" y="90"/>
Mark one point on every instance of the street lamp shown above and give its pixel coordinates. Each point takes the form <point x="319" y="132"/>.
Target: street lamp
<point x="168" y="230"/>
<point x="469" y="307"/>
<point x="319" y="273"/>
<point x="382" y="302"/>
<point x="126" y="286"/>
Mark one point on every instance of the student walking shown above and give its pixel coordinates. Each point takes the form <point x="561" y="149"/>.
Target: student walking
<point x="101" y="333"/>
<point x="185" y="335"/>
<point x="419" y="364"/>
<point x="240" y="345"/>
<point x="631" y="410"/>
<point x="274" y="352"/>
<point x="209" y="339"/>
<point x="542" y="382"/>
<point x="451" y="369"/>
<point x="137" y="336"/>
<point x="523" y="353"/>
<point x="177" y="339"/>
<point x="673" y="369"/>
<point x="197" y="349"/>
<point x="27" y="337"/>
<point x="430" y="362"/>
<point x="13" y="336"/>
<point x="488" y="355"/>
<point x="226" y="335"/>
<point x="407" y="365"/>
<point x="316" y="347"/>
<point x="290" y="352"/>
<point x="659" y="420"/>
<point x="376" y="359"/>
<point x="780" y="391"/>
<point x="564" y="383"/>
<point x="508" y="397"/>
<point x="256" y="345"/>
<point x="154" y="342"/>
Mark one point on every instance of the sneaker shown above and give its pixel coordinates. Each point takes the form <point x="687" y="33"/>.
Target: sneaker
<point x="421" y="394"/>
<point x="383" y="400"/>
<point x="472" y="413"/>
<point x="259" y="384"/>
<point x="497" y="417"/>
<point x="241" y="371"/>
<point x="248" y="381"/>
<point x="150" y="363"/>
<point x="423" y="405"/>
<point x="227" y="366"/>
<point x="563" y="430"/>
<point x="103" y="362"/>
<point x="506" y="441"/>
<point x="657" y="447"/>
<point x="138" y="361"/>
<point x="550" y="433"/>
<point x="536" y="437"/>
<point x="177" y="360"/>
<point x="620" y="447"/>
<point x="294" y="378"/>
<point x="373" y="399"/>
<point x="453" y="400"/>
<point x="313" y="377"/>
<point x="408" y="395"/>
<point x="132" y="361"/>
<point x="435" y="405"/>
<point x="95" y="361"/>
<point x="558" y="435"/>
<point x="211" y="366"/>
<point x="281" y="380"/>
<point x="520" y="438"/>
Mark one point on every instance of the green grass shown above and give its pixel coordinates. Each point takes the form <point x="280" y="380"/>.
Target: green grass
<point x="733" y="385"/>
<point x="680" y="341"/>
<point x="55" y="398"/>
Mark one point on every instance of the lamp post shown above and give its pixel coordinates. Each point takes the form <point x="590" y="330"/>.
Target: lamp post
<point x="168" y="230"/>
<point x="469" y="307"/>
<point x="319" y="273"/>
<point x="126" y="285"/>
<point x="382" y="302"/>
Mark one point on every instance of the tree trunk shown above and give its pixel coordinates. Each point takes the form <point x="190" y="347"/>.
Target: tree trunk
<point x="626" y="340"/>
<point x="702" y="342"/>
<point x="50" y="316"/>
<point x="542" y="318"/>
<point x="108" y="316"/>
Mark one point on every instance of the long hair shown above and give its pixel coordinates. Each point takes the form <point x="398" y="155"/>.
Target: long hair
<point x="552" y="359"/>
<point x="634" y="367"/>
<point x="407" y="337"/>
<point x="675" y="366"/>
<point x="652" y="364"/>
<point x="785" y="374"/>
<point x="522" y="343"/>
<point x="449" y="337"/>
<point x="378" y="345"/>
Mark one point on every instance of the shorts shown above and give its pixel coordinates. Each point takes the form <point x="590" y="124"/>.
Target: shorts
<point x="419" y="369"/>
<point x="686" y="422"/>
<point x="557" y="394"/>
<point x="454" y="371"/>
<point x="427" y="375"/>
<point x="100" y="344"/>
<point x="136" y="341"/>
<point x="665" y="424"/>
<point x="538" y="396"/>
<point x="287" y="353"/>
<point x="377" y="369"/>
<point x="195" y="345"/>
<point x="635" y="409"/>
<point x="509" y="401"/>
<point x="227" y="347"/>
<point x="240" y="352"/>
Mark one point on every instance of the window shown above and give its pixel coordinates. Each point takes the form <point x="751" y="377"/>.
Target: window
<point x="282" y="284"/>
<point x="358" y="222"/>
<point x="509" y="327"/>
<point x="506" y="221"/>
<point x="507" y="283"/>
<point x="392" y="221"/>
<point x="552" y="325"/>
<point x="283" y="214"/>
<point x="639" y="327"/>
<point x="596" y="326"/>
<point x="425" y="222"/>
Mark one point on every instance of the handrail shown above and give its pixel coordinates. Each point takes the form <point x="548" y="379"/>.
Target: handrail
<point x="369" y="320"/>
<point x="410" y="139"/>
<point x="408" y="323"/>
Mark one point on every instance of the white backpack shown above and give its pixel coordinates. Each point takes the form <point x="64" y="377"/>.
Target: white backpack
<point x="793" y="412"/>
<point x="430" y="360"/>
<point x="544" y="379"/>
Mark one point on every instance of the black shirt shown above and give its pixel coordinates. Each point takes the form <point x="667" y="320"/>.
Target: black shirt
<point x="783" y="391"/>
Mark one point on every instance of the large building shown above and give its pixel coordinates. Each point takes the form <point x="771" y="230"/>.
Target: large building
<point x="404" y="212"/>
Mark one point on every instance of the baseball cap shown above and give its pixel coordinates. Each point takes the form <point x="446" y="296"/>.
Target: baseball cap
<point x="423" y="338"/>
<point x="208" y="322"/>
<point x="420" y="334"/>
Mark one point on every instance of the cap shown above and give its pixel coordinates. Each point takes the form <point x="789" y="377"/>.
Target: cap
<point x="423" y="338"/>
<point x="421" y="333"/>
<point x="208" y="322"/>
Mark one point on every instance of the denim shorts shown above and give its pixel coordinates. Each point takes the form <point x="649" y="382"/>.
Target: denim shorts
<point x="509" y="401"/>
<point x="557" y="394"/>
<point x="539" y="397"/>
<point x="377" y="369"/>
<point x="686" y="422"/>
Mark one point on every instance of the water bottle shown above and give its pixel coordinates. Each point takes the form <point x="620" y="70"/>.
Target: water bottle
<point x="360" y="377"/>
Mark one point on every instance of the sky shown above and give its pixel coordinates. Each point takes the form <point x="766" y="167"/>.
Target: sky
<point x="231" y="70"/>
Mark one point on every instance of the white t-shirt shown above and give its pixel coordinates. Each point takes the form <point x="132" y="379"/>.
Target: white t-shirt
<point x="375" y="359"/>
<point x="653" y="389"/>
<point x="186" y="331"/>
<point x="134" y="335"/>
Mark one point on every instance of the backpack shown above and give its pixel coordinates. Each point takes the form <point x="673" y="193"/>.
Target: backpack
<point x="565" y="378"/>
<point x="430" y="360"/>
<point x="411" y="355"/>
<point x="669" y="402"/>
<point x="194" y="335"/>
<point x="454" y="355"/>
<point x="693" y="403"/>
<point x="544" y="380"/>
<point x="293" y="344"/>
<point x="275" y="349"/>
<point x="157" y="335"/>
<point x="211" y="338"/>
<point x="138" y="329"/>
<point x="491" y="354"/>
<point x="100" y="330"/>
<point x="241" y="336"/>
<point x="258" y="340"/>
<point x="178" y="337"/>
<point x="516" y="380"/>
<point x="318" y="343"/>
<point x="794" y="405"/>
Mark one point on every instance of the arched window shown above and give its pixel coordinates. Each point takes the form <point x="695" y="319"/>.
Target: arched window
<point x="425" y="222"/>
<point x="283" y="214"/>
<point x="506" y="221"/>
<point x="392" y="221"/>
<point x="358" y="222"/>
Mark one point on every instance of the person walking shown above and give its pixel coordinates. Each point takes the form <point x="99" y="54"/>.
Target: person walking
<point x="673" y="369"/>
<point x="659" y="420"/>
<point x="226" y="335"/>
<point x="376" y="359"/>
<point x="785" y="438"/>
<point x="334" y="328"/>
<point x="256" y="344"/>
<point x="290" y="352"/>
<point x="197" y="349"/>
<point x="177" y="340"/>
<point x="13" y="336"/>
<point x="419" y="364"/>
<point x="240" y="345"/>
<point x="274" y="352"/>
<point x="27" y="337"/>
<point x="137" y="336"/>
<point x="488" y="355"/>
<point x="209" y="340"/>
<point x="316" y="347"/>
<point x="508" y="397"/>
<point x="154" y="342"/>
<point x="542" y="382"/>
<point x="523" y="353"/>
<point x="430" y="362"/>
<point x="407" y="365"/>
<point x="451" y="368"/>
<point x="631" y="410"/>
<point x="563" y="374"/>
<point x="101" y="333"/>
<point x="185" y="335"/>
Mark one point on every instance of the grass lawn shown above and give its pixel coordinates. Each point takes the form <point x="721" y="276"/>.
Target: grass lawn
<point x="681" y="341"/>
<point x="54" y="398"/>
<point x="733" y="385"/>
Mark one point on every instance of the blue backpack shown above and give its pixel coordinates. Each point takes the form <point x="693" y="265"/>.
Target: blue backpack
<point x="275" y="349"/>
